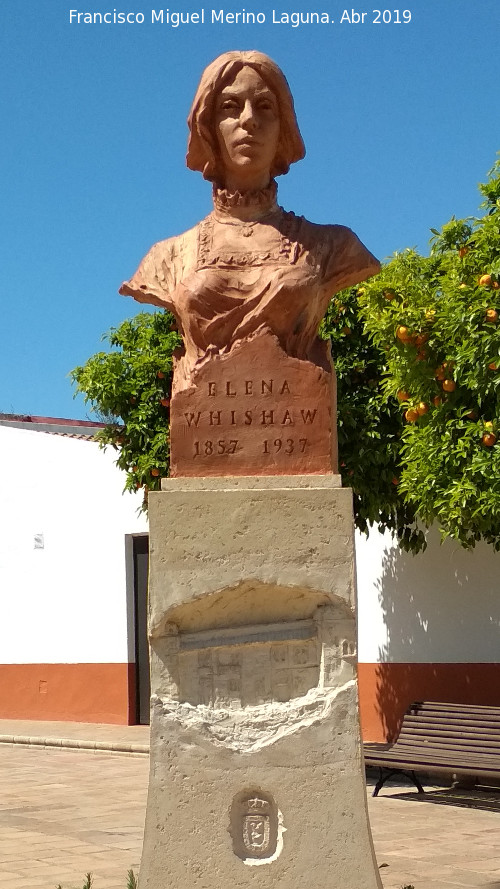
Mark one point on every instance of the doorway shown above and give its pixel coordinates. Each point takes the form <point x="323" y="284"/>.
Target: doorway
<point x="142" y="680"/>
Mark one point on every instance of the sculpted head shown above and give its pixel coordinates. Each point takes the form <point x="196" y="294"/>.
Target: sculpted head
<point x="242" y="125"/>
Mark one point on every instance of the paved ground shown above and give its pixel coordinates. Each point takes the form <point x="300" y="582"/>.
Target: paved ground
<point x="64" y="812"/>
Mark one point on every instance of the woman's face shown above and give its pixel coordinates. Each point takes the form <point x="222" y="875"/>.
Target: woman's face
<point x="247" y="128"/>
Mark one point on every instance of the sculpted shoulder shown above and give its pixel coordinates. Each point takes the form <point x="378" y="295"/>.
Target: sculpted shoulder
<point x="161" y="270"/>
<point x="178" y="252"/>
<point x="344" y="260"/>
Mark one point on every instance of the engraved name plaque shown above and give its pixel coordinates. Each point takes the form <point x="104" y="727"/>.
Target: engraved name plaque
<point x="255" y="409"/>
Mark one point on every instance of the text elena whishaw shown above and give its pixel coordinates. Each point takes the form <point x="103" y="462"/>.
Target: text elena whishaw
<point x="296" y="19"/>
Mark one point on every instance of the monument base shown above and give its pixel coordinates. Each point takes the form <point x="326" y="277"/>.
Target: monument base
<point x="256" y="767"/>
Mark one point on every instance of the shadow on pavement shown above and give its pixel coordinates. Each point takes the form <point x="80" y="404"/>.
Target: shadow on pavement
<point x="488" y="800"/>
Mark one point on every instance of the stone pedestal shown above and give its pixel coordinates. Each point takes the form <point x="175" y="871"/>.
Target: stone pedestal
<point x="256" y="773"/>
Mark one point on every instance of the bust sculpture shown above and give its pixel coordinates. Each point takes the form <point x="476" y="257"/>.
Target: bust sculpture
<point x="249" y="270"/>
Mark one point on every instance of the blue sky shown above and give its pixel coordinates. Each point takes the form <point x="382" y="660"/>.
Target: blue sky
<point x="400" y="123"/>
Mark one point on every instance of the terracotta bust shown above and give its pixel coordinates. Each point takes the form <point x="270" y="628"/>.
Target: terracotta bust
<point x="249" y="267"/>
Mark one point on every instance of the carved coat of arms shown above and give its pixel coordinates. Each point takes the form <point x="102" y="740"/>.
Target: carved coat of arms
<point x="254" y="825"/>
<point x="257" y="827"/>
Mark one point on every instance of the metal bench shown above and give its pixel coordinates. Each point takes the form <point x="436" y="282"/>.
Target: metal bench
<point x="435" y="737"/>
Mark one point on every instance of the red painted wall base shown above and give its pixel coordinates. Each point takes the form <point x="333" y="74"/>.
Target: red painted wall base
<point x="386" y="691"/>
<point x="106" y="692"/>
<point x="68" y="692"/>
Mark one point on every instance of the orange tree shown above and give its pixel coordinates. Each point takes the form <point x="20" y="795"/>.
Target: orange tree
<point x="369" y="424"/>
<point x="437" y="318"/>
<point x="129" y="387"/>
<point x="417" y="355"/>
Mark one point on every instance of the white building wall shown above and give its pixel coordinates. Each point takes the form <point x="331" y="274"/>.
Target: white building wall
<point x="440" y="606"/>
<point x="65" y="602"/>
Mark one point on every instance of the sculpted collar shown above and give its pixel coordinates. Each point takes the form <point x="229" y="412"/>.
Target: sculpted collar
<point x="249" y="205"/>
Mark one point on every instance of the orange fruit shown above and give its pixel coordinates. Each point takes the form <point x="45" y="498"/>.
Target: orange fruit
<point x="422" y="408"/>
<point x="489" y="439"/>
<point x="437" y="401"/>
<point x="463" y="251"/>
<point x="403" y="334"/>
<point x="491" y="315"/>
<point x="496" y="285"/>
<point x="488" y="425"/>
<point x="395" y="481"/>
<point x="165" y="402"/>
<point x="155" y="472"/>
<point x="389" y="294"/>
<point x="346" y="331"/>
<point x="440" y="373"/>
<point x="485" y="280"/>
<point x="471" y="415"/>
<point x="403" y="395"/>
<point x="492" y="365"/>
<point x="449" y="385"/>
<point x="411" y="415"/>
<point x="160" y="375"/>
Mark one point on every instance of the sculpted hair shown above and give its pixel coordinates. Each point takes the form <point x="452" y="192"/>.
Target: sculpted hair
<point x="203" y="154"/>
